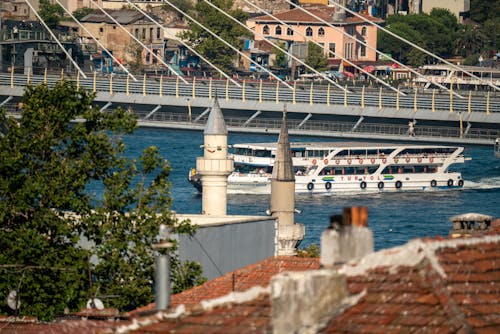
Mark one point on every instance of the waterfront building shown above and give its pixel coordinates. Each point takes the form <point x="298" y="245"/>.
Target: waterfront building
<point x="308" y="27"/>
<point x="116" y="40"/>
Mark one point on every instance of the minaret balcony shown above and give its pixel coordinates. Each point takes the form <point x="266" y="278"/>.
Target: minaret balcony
<point x="214" y="166"/>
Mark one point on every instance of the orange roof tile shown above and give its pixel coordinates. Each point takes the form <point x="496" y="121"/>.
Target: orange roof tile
<point x="257" y="274"/>
<point x="440" y="285"/>
<point x="323" y="12"/>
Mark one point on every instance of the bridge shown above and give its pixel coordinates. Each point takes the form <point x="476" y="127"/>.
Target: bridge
<point x="314" y="108"/>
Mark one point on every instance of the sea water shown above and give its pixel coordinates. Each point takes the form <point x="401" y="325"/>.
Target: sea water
<point x="394" y="218"/>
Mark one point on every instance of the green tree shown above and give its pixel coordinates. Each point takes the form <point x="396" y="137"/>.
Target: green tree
<point x="483" y="10"/>
<point x="52" y="231"/>
<point x="316" y="58"/>
<point x="134" y="52"/>
<point x="82" y="12"/>
<point x="210" y="47"/>
<point x="281" y="60"/>
<point x="185" y="6"/>
<point x="426" y="31"/>
<point x="51" y="14"/>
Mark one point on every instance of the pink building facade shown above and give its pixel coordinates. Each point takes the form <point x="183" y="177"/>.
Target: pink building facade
<point x="338" y="42"/>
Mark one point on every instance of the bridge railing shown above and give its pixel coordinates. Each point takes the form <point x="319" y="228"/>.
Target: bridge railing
<point x="310" y="93"/>
<point x="338" y="127"/>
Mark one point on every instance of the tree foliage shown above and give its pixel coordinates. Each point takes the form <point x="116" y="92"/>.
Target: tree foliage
<point x="82" y="12"/>
<point x="316" y="58"/>
<point x="53" y="231"/>
<point x="281" y="60"/>
<point x="209" y="46"/>
<point x="50" y="13"/>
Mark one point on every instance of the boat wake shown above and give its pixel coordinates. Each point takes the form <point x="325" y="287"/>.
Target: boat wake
<point x="484" y="183"/>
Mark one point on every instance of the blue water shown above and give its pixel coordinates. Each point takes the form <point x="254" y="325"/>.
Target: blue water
<point x="394" y="218"/>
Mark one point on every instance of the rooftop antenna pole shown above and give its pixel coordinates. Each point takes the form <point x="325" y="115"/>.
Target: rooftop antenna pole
<point x="417" y="47"/>
<point x="329" y="51"/>
<point x="185" y="44"/>
<point x="138" y="41"/>
<point x="277" y="46"/>
<point x="228" y="44"/>
<point x="96" y="40"/>
<point x="370" y="47"/>
<point x="55" y="38"/>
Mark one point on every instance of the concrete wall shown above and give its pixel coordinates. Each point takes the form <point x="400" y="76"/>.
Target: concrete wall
<point x="228" y="246"/>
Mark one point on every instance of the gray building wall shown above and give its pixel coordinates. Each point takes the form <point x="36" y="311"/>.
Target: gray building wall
<point x="224" y="247"/>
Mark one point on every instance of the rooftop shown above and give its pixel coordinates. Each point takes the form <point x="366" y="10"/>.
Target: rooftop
<point x="435" y="285"/>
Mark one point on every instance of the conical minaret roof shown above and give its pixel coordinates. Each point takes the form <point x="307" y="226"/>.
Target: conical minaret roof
<point x="215" y="123"/>
<point x="283" y="165"/>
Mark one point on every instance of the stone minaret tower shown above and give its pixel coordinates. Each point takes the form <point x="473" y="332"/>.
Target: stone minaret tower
<point x="283" y="196"/>
<point x="214" y="167"/>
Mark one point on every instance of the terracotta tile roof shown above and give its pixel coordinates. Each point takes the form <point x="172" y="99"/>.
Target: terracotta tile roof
<point x="10" y="325"/>
<point x="297" y="15"/>
<point x="323" y="12"/>
<point x="257" y="274"/>
<point x="437" y="285"/>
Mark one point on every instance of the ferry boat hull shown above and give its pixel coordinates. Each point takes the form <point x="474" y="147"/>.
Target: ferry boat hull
<point x="340" y="169"/>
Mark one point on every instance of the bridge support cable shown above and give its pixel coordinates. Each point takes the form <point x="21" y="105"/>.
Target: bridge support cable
<point x="206" y="111"/>
<point x="275" y="45"/>
<point x="106" y="106"/>
<point x="6" y="100"/>
<point x="257" y="113"/>
<point x="184" y="43"/>
<point x="413" y="45"/>
<point x="357" y="123"/>
<point x="304" y="120"/>
<point x="94" y="3"/>
<point x="56" y="39"/>
<point x="308" y="39"/>
<point x="158" y="107"/>
<point x="95" y="40"/>
<point x="370" y="47"/>
<point x="228" y="44"/>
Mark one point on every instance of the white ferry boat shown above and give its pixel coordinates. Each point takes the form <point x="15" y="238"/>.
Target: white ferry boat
<point x="342" y="167"/>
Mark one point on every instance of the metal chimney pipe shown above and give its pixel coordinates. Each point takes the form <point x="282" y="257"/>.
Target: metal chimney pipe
<point x="162" y="282"/>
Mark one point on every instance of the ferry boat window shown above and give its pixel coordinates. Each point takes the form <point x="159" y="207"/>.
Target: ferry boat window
<point x="360" y="153"/>
<point x="262" y="153"/>
<point x="371" y="152"/>
<point x="385" y="151"/>
<point x="342" y="153"/>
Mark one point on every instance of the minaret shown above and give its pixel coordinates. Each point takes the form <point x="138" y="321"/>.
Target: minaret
<point x="283" y="196"/>
<point x="215" y="166"/>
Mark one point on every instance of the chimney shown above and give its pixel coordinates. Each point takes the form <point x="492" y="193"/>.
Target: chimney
<point x="339" y="12"/>
<point x="162" y="279"/>
<point x="302" y="301"/>
<point x="347" y="237"/>
<point x="470" y="223"/>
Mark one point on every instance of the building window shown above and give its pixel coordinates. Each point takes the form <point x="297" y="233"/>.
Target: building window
<point x="136" y="32"/>
<point x="348" y="50"/>
<point x="150" y="34"/>
<point x="143" y="33"/>
<point x="158" y="33"/>
<point x="265" y="30"/>
<point x="362" y="51"/>
<point x="278" y="30"/>
<point x="309" y="31"/>
<point x="363" y="31"/>
<point x="101" y="30"/>
<point x="331" y="48"/>
<point x="321" y="32"/>
<point x="289" y="31"/>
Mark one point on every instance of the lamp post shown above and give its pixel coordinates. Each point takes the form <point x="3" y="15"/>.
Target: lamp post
<point x="162" y="278"/>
